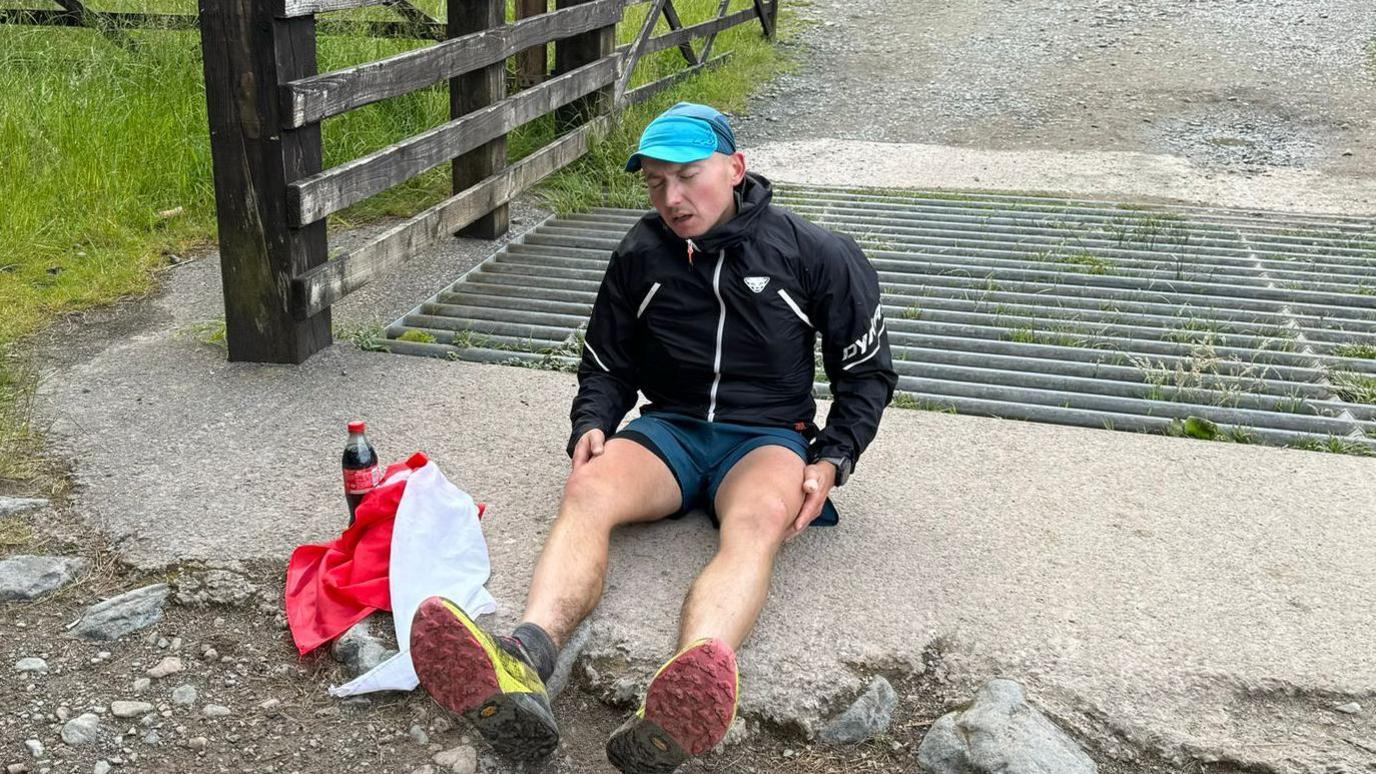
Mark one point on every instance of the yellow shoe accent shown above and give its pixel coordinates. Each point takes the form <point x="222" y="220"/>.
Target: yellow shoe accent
<point x="513" y="674"/>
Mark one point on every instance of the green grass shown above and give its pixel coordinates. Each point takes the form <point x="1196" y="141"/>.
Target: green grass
<point x="1354" y="387"/>
<point x="105" y="166"/>
<point x="1363" y="351"/>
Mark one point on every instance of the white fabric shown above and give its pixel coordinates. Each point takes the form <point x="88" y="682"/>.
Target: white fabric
<point x="437" y="549"/>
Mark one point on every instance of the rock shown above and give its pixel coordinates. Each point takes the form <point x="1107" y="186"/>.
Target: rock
<point x="101" y="767"/>
<point x="217" y="711"/>
<point x="81" y="729"/>
<point x="358" y="650"/>
<point x="31" y="664"/>
<point x="16" y="768"/>
<point x="130" y="709"/>
<point x="142" y="684"/>
<point x="9" y="506"/>
<point x="30" y="577"/>
<point x="1350" y="708"/>
<point x="417" y="733"/>
<point x="197" y="743"/>
<point x="460" y="760"/>
<point x="868" y="717"/>
<point x="118" y="616"/>
<point x="270" y="705"/>
<point x="215" y="587"/>
<point x="426" y="769"/>
<point x="34" y="747"/>
<point x="184" y="695"/>
<point x="152" y="737"/>
<point x="1000" y="732"/>
<point x="170" y="665"/>
<point x="567" y="657"/>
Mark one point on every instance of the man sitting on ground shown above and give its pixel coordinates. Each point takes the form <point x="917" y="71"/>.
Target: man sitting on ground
<point x="710" y="306"/>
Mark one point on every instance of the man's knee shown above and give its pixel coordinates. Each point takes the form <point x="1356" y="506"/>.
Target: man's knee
<point x="763" y="517"/>
<point x="588" y="496"/>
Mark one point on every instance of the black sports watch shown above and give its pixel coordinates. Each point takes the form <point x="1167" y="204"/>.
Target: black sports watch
<point x="843" y="467"/>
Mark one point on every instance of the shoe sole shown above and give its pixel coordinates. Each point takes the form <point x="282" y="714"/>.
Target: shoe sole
<point x="689" y="707"/>
<point x="467" y="673"/>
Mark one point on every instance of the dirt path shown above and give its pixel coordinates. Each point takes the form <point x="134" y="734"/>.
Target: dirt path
<point x="1231" y="84"/>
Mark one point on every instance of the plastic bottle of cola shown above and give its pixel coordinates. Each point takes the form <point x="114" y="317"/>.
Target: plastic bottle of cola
<point x="361" y="471"/>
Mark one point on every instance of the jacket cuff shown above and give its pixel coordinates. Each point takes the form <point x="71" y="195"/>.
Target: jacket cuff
<point x="824" y="448"/>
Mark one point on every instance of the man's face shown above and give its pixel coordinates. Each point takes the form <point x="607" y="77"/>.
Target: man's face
<point x="694" y="198"/>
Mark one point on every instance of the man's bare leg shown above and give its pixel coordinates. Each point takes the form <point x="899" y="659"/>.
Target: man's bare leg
<point x="626" y="484"/>
<point x="756" y="503"/>
<point x="690" y="703"/>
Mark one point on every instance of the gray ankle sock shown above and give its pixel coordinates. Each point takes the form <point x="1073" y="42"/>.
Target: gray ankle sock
<point x="539" y="647"/>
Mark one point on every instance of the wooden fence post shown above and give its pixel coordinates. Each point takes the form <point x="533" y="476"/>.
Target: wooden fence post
<point x="470" y="92"/>
<point x="533" y="63"/>
<point x="247" y="53"/>
<point x="574" y="52"/>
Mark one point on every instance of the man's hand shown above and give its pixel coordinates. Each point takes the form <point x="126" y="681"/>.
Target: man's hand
<point x="592" y="444"/>
<point x="818" y="480"/>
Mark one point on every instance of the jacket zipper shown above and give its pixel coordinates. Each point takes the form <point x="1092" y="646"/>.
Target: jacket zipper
<point x="721" y="325"/>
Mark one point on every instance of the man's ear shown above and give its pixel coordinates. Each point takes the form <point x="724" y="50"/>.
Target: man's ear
<point x="737" y="161"/>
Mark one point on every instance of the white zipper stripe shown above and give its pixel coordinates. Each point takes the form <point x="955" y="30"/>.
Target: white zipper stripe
<point x="653" y="290"/>
<point x="872" y="353"/>
<point x="595" y="357"/>
<point x="721" y="325"/>
<point x="787" y="300"/>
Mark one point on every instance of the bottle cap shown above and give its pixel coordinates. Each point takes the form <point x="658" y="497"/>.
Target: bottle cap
<point x="356" y="427"/>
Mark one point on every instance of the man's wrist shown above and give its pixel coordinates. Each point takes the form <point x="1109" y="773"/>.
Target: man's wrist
<point x="841" y="463"/>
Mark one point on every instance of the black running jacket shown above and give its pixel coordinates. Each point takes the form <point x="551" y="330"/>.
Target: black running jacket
<point x="722" y="328"/>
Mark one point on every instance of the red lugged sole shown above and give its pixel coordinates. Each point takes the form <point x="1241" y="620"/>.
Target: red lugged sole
<point x="694" y="698"/>
<point x="452" y="665"/>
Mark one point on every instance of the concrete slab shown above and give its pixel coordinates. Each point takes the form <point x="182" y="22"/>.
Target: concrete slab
<point x="1201" y="599"/>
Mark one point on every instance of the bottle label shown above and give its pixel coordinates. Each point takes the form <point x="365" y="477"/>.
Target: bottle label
<point x="362" y="481"/>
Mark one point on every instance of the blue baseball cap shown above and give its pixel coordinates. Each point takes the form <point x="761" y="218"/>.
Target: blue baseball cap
<point x="683" y="134"/>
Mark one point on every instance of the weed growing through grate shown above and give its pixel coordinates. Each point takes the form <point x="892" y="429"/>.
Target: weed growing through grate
<point x="1360" y="351"/>
<point x="1354" y="387"/>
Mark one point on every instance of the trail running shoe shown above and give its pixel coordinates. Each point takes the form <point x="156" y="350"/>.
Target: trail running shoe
<point x="688" y="709"/>
<point x="470" y="674"/>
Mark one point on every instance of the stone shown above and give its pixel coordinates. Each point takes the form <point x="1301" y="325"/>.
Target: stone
<point x="1000" y="732"/>
<point x="184" y="695"/>
<point x="10" y="506"/>
<point x="1350" y="708"/>
<point x="460" y="760"/>
<point x="867" y="718"/>
<point x="358" y="650"/>
<point x="31" y="664"/>
<point x="152" y="737"/>
<point x="16" y="768"/>
<point x="170" y="665"/>
<point x="198" y="743"/>
<point x="426" y="769"/>
<point x="34" y="747"/>
<point x="29" y="577"/>
<point x="270" y="705"/>
<point x="118" y="616"/>
<point x="216" y="711"/>
<point x="142" y="684"/>
<point x="417" y="733"/>
<point x="101" y="767"/>
<point x="215" y="587"/>
<point x="563" y="667"/>
<point x="130" y="709"/>
<point x="81" y="729"/>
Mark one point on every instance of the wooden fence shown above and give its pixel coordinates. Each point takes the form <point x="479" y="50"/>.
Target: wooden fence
<point x="266" y="102"/>
<point x="114" y="25"/>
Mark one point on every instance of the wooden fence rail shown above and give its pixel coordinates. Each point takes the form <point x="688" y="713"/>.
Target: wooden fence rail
<point x="266" y="102"/>
<point x="415" y="24"/>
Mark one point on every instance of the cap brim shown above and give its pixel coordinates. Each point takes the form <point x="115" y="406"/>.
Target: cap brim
<point x="673" y="154"/>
